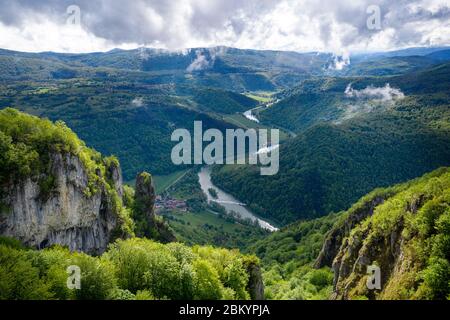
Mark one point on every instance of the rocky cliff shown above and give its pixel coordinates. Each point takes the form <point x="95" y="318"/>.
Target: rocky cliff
<point x="255" y="286"/>
<point x="55" y="190"/>
<point x="147" y="223"/>
<point x="404" y="233"/>
<point x="333" y="241"/>
<point x="66" y="215"/>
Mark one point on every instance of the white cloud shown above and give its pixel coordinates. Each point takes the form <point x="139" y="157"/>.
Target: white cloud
<point x="200" y="63"/>
<point x="205" y="59"/>
<point x="300" y="25"/>
<point x="138" y="102"/>
<point x="368" y="100"/>
<point x="340" y="61"/>
<point x="384" y="94"/>
<point x="48" y="36"/>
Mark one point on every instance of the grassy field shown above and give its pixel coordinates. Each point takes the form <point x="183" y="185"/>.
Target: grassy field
<point x="261" y="96"/>
<point x="208" y="228"/>
<point x="162" y="183"/>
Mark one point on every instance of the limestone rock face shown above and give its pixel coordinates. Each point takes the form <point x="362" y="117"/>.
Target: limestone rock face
<point x="347" y="256"/>
<point x="148" y="224"/>
<point x="355" y="256"/>
<point x="66" y="214"/>
<point x="145" y="194"/>
<point x="255" y="282"/>
<point x="375" y="250"/>
<point x="334" y="239"/>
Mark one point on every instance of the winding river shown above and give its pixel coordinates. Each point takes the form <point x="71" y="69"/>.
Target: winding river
<point x="228" y="201"/>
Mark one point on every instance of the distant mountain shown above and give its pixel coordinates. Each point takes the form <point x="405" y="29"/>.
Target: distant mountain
<point x="394" y="62"/>
<point x="442" y="55"/>
<point x="324" y="99"/>
<point x="221" y="67"/>
<point x="127" y="102"/>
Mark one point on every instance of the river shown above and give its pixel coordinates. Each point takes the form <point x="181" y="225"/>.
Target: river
<point x="228" y="201"/>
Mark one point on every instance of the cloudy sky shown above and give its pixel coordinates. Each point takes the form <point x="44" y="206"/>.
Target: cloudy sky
<point x="299" y="25"/>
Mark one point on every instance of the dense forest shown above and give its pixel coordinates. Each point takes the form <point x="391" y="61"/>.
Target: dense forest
<point x="330" y="164"/>
<point x="133" y="269"/>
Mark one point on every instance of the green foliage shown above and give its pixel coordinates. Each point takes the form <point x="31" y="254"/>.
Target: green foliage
<point x="97" y="277"/>
<point x="213" y="192"/>
<point x="131" y="269"/>
<point x="231" y="268"/>
<point x="19" y="280"/>
<point x="321" y="278"/>
<point x="207" y="283"/>
<point x="415" y="213"/>
<point x="287" y="256"/>
<point x="11" y="242"/>
<point x="436" y="277"/>
<point x="52" y="264"/>
<point x="147" y="177"/>
<point x="120" y="294"/>
<point x="128" y="196"/>
<point x="144" y="295"/>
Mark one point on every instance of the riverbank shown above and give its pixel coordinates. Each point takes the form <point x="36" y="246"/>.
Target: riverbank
<point x="228" y="201"/>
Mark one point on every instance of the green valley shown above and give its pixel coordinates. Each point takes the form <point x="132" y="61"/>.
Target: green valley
<point x="363" y="175"/>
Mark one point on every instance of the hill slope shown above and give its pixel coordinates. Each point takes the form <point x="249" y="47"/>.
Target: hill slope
<point x="404" y="231"/>
<point x="329" y="165"/>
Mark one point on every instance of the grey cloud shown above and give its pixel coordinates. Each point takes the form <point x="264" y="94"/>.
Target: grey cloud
<point x="172" y="23"/>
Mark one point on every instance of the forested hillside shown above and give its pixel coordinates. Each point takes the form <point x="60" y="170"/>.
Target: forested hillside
<point x="330" y="164"/>
<point x="402" y="229"/>
<point x="133" y="269"/>
<point x="330" y="99"/>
